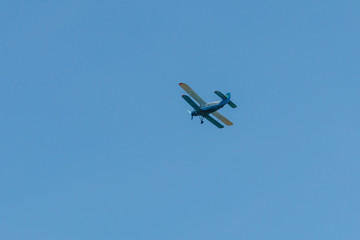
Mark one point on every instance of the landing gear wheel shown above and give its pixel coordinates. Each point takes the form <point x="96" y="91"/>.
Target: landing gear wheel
<point x="201" y="119"/>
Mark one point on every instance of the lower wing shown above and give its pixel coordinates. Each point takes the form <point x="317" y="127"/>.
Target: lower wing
<point x="191" y="102"/>
<point x="219" y="116"/>
<point x="213" y="121"/>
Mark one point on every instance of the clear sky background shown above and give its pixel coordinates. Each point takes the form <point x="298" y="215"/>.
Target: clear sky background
<point x="96" y="141"/>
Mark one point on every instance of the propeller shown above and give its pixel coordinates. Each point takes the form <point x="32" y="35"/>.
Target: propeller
<point x="191" y="114"/>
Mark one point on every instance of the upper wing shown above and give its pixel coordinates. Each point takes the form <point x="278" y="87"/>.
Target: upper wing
<point x="213" y="121"/>
<point x="192" y="93"/>
<point x="191" y="102"/>
<point x="222" y="118"/>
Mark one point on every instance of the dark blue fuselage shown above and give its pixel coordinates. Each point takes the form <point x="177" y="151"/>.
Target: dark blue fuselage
<point x="210" y="108"/>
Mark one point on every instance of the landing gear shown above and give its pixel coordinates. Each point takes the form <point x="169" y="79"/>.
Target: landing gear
<point x="201" y="119"/>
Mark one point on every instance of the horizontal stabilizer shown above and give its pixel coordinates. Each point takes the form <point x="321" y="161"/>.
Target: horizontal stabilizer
<point x="233" y="105"/>
<point x="222" y="96"/>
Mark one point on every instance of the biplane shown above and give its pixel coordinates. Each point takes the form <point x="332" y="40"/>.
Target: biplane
<point x="205" y="109"/>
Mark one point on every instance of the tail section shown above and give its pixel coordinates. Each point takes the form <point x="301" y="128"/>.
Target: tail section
<point x="231" y="104"/>
<point x="225" y="97"/>
<point x="222" y="96"/>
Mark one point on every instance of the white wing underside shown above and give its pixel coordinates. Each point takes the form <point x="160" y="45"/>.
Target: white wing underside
<point x="222" y="118"/>
<point x="192" y="93"/>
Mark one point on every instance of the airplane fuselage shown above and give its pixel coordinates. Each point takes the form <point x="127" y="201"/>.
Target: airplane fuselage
<point x="210" y="108"/>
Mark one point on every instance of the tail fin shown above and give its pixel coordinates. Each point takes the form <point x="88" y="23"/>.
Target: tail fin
<point x="227" y="96"/>
<point x="231" y="104"/>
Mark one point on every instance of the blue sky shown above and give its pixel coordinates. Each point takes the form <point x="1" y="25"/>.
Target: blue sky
<point x="96" y="141"/>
